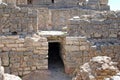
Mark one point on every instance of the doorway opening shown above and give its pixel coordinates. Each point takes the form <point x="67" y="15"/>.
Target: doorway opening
<point x="29" y="1"/>
<point x="54" y="53"/>
<point x="52" y="1"/>
<point x="14" y="33"/>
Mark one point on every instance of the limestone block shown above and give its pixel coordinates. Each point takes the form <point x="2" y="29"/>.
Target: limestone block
<point x="6" y="49"/>
<point x="24" y="64"/>
<point x="83" y="48"/>
<point x="15" y="73"/>
<point x="6" y="10"/>
<point x="44" y="44"/>
<point x="12" y="45"/>
<point x="97" y="35"/>
<point x="42" y="67"/>
<point x="83" y="43"/>
<point x="20" y="45"/>
<point x="72" y="40"/>
<point x="6" y="41"/>
<point x="3" y="5"/>
<point x="36" y="44"/>
<point x="33" y="68"/>
<point x="105" y="7"/>
<point x="82" y="38"/>
<point x="21" y="49"/>
<point x="69" y="42"/>
<point x="26" y="58"/>
<point x="5" y="30"/>
<point x="20" y="73"/>
<point x="14" y="59"/>
<point x="26" y="72"/>
<point x="12" y="37"/>
<point x="72" y="48"/>
<point x="13" y="49"/>
<point x="5" y="61"/>
<point x="104" y="2"/>
<point x="43" y="56"/>
<point x="40" y="52"/>
<point x="16" y="65"/>
<point x="42" y="48"/>
<point x="11" y="2"/>
<point x="42" y="63"/>
<point x="113" y="35"/>
<point x="7" y="70"/>
<point x="4" y="58"/>
<point x="27" y="69"/>
<point x="76" y="55"/>
<point x="28" y="53"/>
<point x="21" y="2"/>
<point x="1" y="45"/>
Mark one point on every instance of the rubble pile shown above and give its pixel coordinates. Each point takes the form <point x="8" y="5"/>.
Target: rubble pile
<point x="5" y="76"/>
<point x="98" y="68"/>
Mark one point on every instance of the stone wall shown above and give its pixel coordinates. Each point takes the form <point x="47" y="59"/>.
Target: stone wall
<point x="79" y="50"/>
<point x="33" y="2"/>
<point x="76" y="52"/>
<point x="10" y="2"/>
<point x="98" y="4"/>
<point x="20" y="56"/>
<point x="44" y="18"/>
<point x="16" y="20"/>
<point x="57" y="19"/>
<point x="66" y="3"/>
<point x="41" y="2"/>
<point x="90" y="4"/>
<point x="21" y="2"/>
<point x="100" y="25"/>
<point x="5" y="76"/>
<point x="106" y="47"/>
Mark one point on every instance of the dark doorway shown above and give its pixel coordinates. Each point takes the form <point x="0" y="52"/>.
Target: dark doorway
<point x="52" y="1"/>
<point x="29" y="1"/>
<point x="54" y="60"/>
<point x="14" y="33"/>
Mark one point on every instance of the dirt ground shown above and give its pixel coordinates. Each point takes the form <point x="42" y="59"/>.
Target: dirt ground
<point x="55" y="72"/>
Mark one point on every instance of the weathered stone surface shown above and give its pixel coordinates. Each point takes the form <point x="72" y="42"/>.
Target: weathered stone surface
<point x="15" y="54"/>
<point x="15" y="21"/>
<point x="5" y="76"/>
<point x="98" y="68"/>
<point x="89" y="33"/>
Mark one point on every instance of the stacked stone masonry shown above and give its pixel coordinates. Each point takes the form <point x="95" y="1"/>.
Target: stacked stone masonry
<point x="90" y="4"/>
<point x="76" y="52"/>
<point x="90" y="33"/>
<point x="16" y="20"/>
<point x="23" y="55"/>
<point x="79" y="50"/>
<point x="98" y="25"/>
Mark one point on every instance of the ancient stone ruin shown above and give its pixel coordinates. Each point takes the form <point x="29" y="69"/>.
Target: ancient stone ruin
<point x="5" y="76"/>
<point x="35" y="34"/>
<point x="98" y="68"/>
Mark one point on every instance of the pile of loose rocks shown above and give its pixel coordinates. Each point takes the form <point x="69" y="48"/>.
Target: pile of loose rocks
<point x="5" y="76"/>
<point x="98" y="68"/>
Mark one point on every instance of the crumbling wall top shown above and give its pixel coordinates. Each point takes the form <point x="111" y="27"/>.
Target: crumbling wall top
<point x="10" y="2"/>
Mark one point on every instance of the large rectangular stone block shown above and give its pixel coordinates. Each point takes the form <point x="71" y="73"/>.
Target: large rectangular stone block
<point x="72" y="48"/>
<point x="12" y="45"/>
